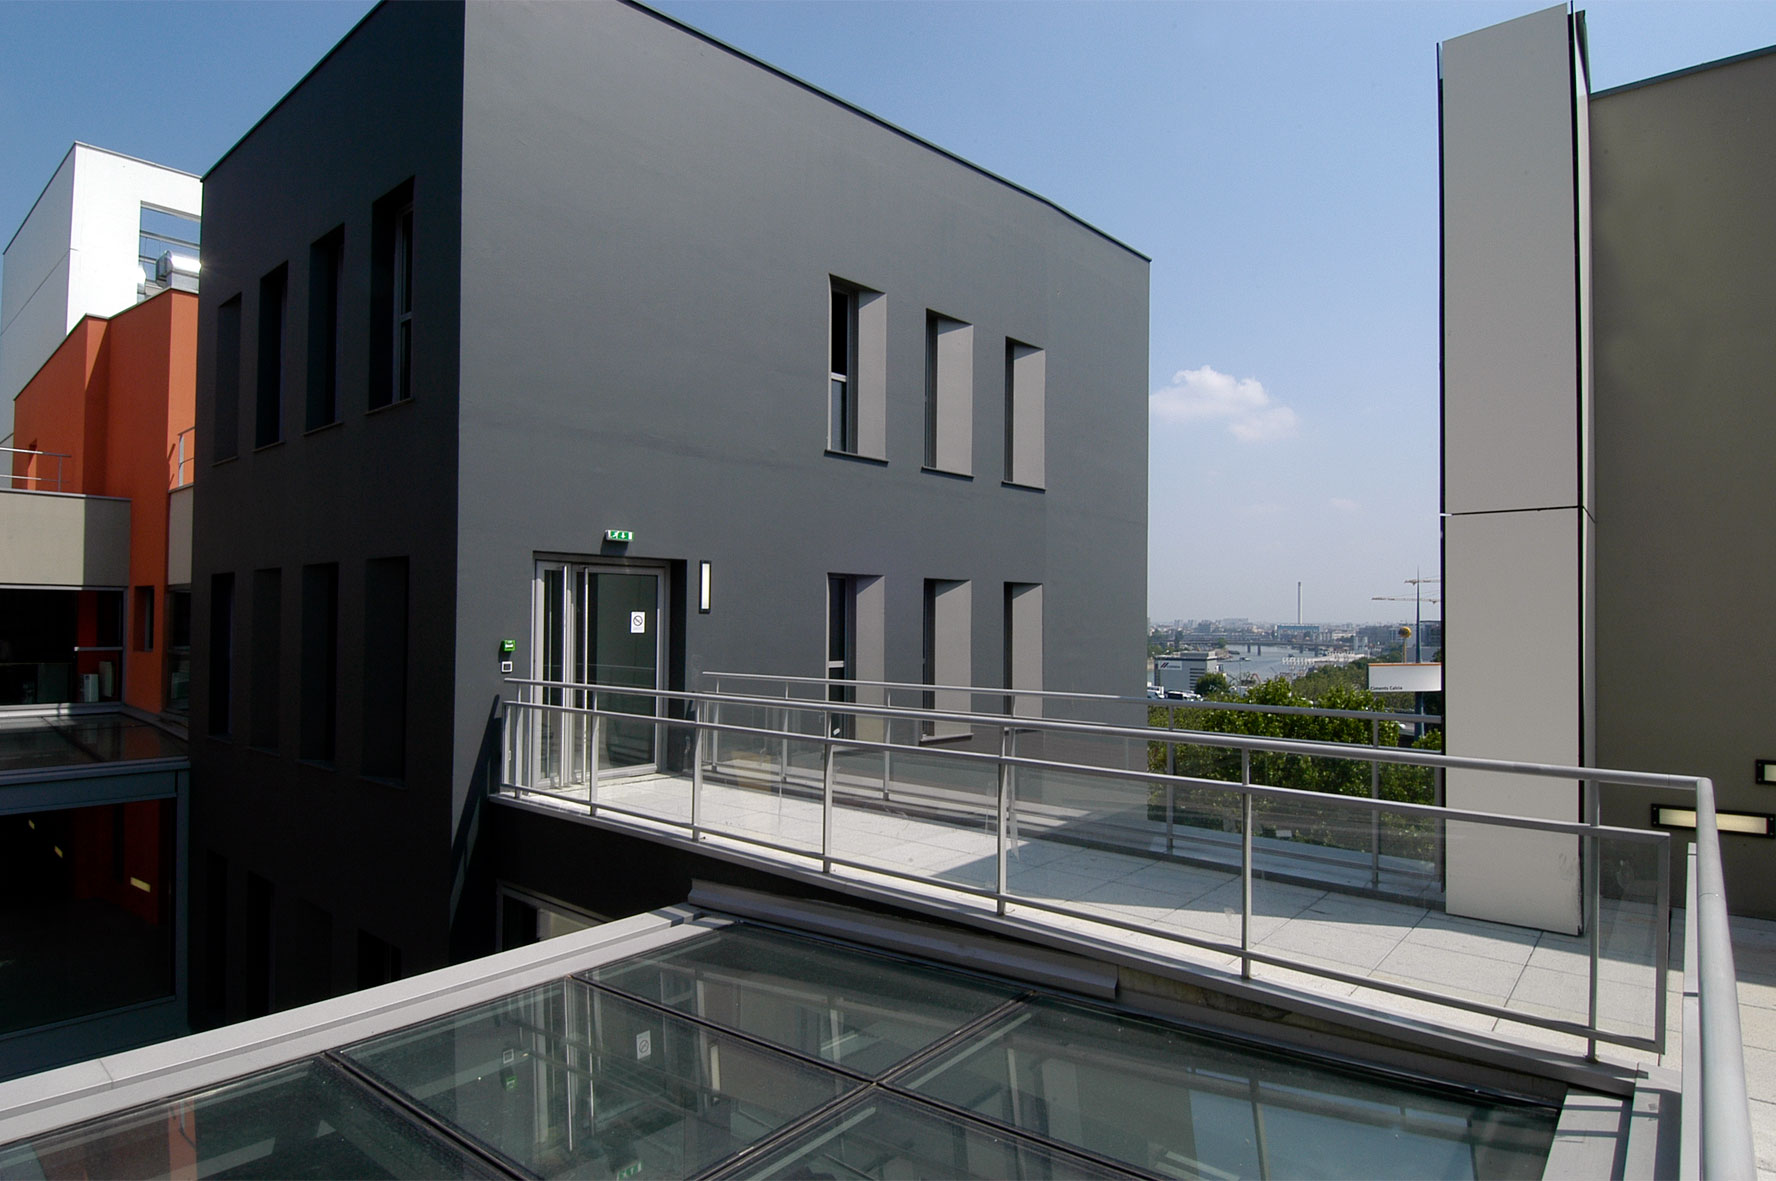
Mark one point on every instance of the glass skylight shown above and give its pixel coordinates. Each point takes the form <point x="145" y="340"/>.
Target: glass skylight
<point x="748" y="1052"/>
<point x="860" y="1011"/>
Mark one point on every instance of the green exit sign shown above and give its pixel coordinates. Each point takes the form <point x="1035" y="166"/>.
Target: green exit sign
<point x="619" y="535"/>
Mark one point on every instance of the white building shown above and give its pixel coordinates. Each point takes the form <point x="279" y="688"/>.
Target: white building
<point x="82" y="251"/>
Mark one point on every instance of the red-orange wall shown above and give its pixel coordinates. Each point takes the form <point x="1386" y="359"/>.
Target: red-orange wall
<point x="116" y="396"/>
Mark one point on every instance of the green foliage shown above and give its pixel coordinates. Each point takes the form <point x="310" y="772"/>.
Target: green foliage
<point x="1401" y="835"/>
<point x="1213" y="683"/>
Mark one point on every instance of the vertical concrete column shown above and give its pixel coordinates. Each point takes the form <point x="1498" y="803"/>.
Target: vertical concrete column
<point x="1517" y="528"/>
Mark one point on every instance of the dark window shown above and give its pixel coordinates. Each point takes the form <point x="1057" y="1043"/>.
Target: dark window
<point x="216" y="938"/>
<point x="378" y="962"/>
<point x="308" y="966"/>
<point x="266" y="648"/>
<point x="391" y="299"/>
<point x="841" y="650"/>
<point x="107" y="619"/>
<point x="178" y="651"/>
<point x="320" y="660"/>
<point x="226" y="412"/>
<point x="143" y="622"/>
<point x="385" y="668"/>
<point x="260" y="945"/>
<point x="221" y="652"/>
<point x="268" y="419"/>
<point x="842" y="411"/>
<point x="325" y="271"/>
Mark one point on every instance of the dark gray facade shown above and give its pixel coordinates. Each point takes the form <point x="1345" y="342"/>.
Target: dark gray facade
<point x="1685" y="276"/>
<point x="625" y="242"/>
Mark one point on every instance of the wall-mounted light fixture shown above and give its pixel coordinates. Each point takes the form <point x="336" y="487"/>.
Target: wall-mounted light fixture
<point x="1766" y="770"/>
<point x="1750" y="823"/>
<point x="703" y="592"/>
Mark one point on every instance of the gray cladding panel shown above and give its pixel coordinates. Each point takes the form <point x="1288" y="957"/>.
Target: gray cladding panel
<point x="1686" y="392"/>
<point x="384" y="107"/>
<point x="1510" y="394"/>
<point x="650" y="223"/>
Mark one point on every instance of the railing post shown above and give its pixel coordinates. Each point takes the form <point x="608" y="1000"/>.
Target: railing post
<point x="1246" y="863"/>
<point x="1593" y="907"/>
<point x="1171" y="773"/>
<point x="592" y="760"/>
<point x="1005" y="741"/>
<point x="1662" y="942"/>
<point x="783" y="745"/>
<point x="696" y="776"/>
<point x="826" y="804"/>
<point x="1374" y="813"/>
<point x="511" y="768"/>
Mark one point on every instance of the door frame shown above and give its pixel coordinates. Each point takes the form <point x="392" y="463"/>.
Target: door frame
<point x="575" y="568"/>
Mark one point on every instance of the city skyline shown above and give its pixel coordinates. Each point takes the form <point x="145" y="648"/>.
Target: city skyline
<point x="1277" y="162"/>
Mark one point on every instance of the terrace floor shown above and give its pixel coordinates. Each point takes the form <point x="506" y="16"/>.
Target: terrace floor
<point x="1186" y="893"/>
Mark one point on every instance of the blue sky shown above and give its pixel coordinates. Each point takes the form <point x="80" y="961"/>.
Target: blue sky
<point x="1277" y="160"/>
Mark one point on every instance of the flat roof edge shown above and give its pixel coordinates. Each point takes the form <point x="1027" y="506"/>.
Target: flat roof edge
<point x="79" y="143"/>
<point x="718" y="43"/>
<point x="1686" y="71"/>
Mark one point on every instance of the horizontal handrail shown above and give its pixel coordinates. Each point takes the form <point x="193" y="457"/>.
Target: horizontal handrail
<point x="1103" y="698"/>
<point x="1142" y="777"/>
<point x="58" y="456"/>
<point x="1298" y="746"/>
<point x="1726" y="1146"/>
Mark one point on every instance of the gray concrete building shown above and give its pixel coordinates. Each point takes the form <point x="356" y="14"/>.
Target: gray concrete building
<point x="1607" y="273"/>
<point x="564" y="340"/>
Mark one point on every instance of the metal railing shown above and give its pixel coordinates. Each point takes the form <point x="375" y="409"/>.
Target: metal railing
<point x="913" y="693"/>
<point x="184" y="457"/>
<point x="999" y="701"/>
<point x="571" y="718"/>
<point x="36" y="481"/>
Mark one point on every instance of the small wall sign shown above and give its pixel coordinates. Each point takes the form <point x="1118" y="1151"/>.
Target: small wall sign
<point x="619" y="535"/>
<point x="638" y="623"/>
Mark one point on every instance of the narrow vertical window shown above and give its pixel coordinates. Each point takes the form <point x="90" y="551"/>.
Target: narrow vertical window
<point x="225" y="413"/>
<point x="266" y="649"/>
<point x="320" y="661"/>
<point x="142" y="623"/>
<point x="842" y="407"/>
<point x="268" y="424"/>
<point x="949" y="395"/>
<point x="403" y="388"/>
<point x="178" y="651"/>
<point x="385" y="668"/>
<point x="1026" y="378"/>
<point x="841" y="651"/>
<point x="221" y="653"/>
<point x="256" y="956"/>
<point x="325" y="273"/>
<point x="392" y="298"/>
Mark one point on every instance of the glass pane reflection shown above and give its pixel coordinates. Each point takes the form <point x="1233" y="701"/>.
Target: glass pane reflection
<point x="568" y="1080"/>
<point x="1164" y="1099"/>
<point x="884" y="1136"/>
<point x="862" y="1011"/>
<point x="298" y="1121"/>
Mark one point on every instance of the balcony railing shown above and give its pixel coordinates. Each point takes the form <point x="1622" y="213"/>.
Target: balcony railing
<point x="32" y="476"/>
<point x="970" y="808"/>
<point x="184" y="458"/>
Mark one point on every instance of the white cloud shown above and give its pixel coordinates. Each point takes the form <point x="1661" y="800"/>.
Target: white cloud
<point x="1207" y="395"/>
<point x="1344" y="504"/>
